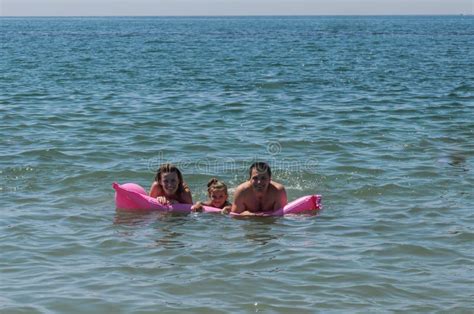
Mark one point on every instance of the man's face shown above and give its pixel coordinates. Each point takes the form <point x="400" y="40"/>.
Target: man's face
<point x="259" y="180"/>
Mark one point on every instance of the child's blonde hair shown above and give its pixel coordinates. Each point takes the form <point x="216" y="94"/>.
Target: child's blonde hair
<point x="215" y="184"/>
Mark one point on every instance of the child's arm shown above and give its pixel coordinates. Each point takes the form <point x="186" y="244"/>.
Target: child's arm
<point x="197" y="207"/>
<point x="226" y="209"/>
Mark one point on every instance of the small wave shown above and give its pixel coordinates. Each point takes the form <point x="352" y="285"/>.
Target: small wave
<point x="462" y="235"/>
<point x="464" y="88"/>
<point x="10" y="306"/>
<point x="153" y="51"/>
<point x="378" y="190"/>
<point x="158" y="41"/>
<point x="45" y="154"/>
<point x="271" y="85"/>
<point x="400" y="249"/>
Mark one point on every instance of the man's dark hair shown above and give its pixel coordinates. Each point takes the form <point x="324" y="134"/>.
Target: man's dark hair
<point x="261" y="167"/>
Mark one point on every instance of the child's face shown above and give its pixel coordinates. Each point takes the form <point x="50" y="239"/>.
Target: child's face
<point x="218" y="198"/>
<point x="169" y="182"/>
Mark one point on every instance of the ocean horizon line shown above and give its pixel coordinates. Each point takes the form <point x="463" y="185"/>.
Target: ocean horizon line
<point x="238" y="15"/>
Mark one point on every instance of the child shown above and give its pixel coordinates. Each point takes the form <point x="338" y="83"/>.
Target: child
<point x="217" y="192"/>
<point x="169" y="187"/>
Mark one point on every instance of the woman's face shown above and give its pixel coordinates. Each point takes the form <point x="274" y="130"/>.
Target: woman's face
<point x="169" y="182"/>
<point x="218" y="198"/>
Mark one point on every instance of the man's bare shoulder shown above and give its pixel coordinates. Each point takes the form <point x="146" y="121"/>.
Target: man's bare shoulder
<point x="244" y="187"/>
<point x="277" y="186"/>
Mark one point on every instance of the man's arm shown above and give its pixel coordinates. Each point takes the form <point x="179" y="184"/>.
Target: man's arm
<point x="281" y="198"/>
<point x="238" y="206"/>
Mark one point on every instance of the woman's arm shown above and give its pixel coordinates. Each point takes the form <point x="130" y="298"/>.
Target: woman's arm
<point x="155" y="189"/>
<point x="186" y="196"/>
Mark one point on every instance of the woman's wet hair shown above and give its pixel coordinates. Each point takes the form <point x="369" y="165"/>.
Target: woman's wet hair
<point x="168" y="168"/>
<point x="215" y="184"/>
<point x="261" y="167"/>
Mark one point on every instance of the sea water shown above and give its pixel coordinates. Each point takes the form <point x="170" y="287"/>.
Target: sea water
<point x="374" y="113"/>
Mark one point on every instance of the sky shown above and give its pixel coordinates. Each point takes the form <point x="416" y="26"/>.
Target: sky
<point x="232" y="7"/>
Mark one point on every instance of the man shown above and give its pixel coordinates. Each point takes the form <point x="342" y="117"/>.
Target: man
<point x="259" y="193"/>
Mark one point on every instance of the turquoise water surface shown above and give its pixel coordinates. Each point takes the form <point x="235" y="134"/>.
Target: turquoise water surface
<point x="374" y="113"/>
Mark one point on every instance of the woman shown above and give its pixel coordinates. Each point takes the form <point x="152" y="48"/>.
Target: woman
<point x="169" y="187"/>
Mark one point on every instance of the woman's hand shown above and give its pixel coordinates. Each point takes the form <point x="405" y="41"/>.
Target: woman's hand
<point x="162" y="200"/>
